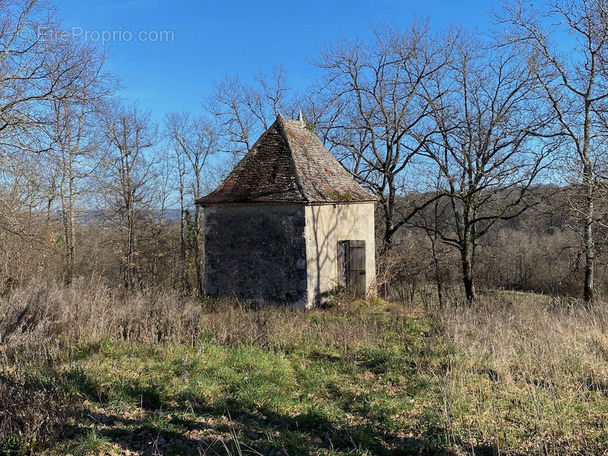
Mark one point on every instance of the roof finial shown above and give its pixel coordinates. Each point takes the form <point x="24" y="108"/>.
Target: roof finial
<point x="301" y="119"/>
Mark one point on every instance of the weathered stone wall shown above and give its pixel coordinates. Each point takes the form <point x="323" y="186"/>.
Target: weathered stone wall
<point x="325" y="226"/>
<point x="256" y="252"/>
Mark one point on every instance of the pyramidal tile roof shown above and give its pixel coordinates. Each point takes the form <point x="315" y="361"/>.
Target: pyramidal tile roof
<point x="288" y="164"/>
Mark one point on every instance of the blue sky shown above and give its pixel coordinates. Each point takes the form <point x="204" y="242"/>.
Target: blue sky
<point x="206" y="39"/>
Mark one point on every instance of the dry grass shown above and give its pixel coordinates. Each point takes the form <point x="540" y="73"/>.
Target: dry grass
<point x="529" y="375"/>
<point x="52" y="318"/>
<point x="515" y="374"/>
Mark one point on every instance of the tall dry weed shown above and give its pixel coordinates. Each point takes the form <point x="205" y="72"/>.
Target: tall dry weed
<point x="50" y="317"/>
<point x="524" y="329"/>
<point x="526" y="370"/>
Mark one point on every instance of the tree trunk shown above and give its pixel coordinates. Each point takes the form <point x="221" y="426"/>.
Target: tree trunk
<point x="130" y="251"/>
<point x="467" y="279"/>
<point x="388" y="206"/>
<point x="466" y="257"/>
<point x="71" y="225"/>
<point x="129" y="277"/>
<point x="387" y="243"/>
<point x="67" y="193"/>
<point x="588" y="291"/>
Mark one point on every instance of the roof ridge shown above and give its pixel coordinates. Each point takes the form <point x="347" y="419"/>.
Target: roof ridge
<point x="283" y="129"/>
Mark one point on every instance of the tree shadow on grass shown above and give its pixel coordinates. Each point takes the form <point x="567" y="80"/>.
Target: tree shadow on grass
<point x="186" y="424"/>
<point x="215" y="430"/>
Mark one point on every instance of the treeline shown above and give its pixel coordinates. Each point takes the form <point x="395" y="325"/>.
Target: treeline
<point x="538" y="251"/>
<point x="487" y="153"/>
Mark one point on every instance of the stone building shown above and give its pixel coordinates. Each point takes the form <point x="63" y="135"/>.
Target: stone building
<point x="288" y="224"/>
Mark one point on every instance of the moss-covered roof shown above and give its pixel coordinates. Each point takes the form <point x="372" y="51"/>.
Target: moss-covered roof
<point x="288" y="164"/>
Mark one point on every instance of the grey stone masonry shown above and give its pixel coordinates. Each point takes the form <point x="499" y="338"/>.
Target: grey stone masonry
<point x="256" y="253"/>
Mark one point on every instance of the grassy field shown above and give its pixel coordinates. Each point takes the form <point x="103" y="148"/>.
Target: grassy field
<point x="86" y="372"/>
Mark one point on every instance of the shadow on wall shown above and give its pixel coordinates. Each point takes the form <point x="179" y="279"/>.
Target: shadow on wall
<point x="340" y="250"/>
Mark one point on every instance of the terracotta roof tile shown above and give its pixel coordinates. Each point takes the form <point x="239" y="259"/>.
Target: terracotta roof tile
<point x="288" y="164"/>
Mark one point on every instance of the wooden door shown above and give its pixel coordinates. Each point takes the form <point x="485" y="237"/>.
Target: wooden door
<point x="351" y="266"/>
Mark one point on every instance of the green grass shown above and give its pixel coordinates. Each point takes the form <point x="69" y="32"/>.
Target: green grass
<point x="90" y="443"/>
<point x="302" y="396"/>
<point x="509" y="376"/>
<point x="344" y="403"/>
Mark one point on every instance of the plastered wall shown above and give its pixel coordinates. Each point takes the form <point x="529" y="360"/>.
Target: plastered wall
<point x="325" y="226"/>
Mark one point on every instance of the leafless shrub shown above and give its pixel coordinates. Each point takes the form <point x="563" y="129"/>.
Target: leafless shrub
<point x="33" y="411"/>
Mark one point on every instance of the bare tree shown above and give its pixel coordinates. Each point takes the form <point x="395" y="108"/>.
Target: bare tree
<point x="487" y="117"/>
<point x="573" y="75"/>
<point x="38" y="63"/>
<point x="130" y="134"/>
<point x="243" y="111"/>
<point x="74" y="139"/>
<point x="376" y="117"/>
<point x="194" y="141"/>
<point x="40" y="67"/>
